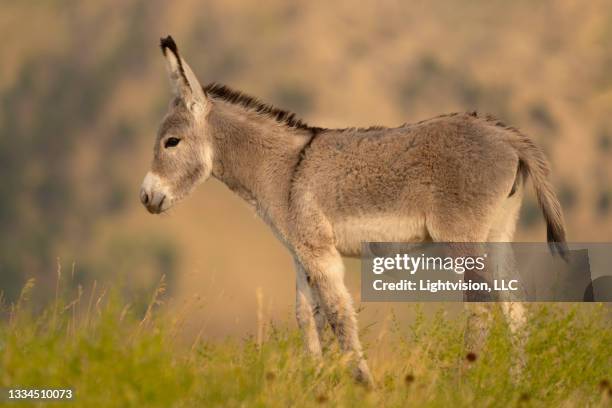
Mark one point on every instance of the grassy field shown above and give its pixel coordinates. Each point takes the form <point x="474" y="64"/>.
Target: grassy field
<point x="111" y="357"/>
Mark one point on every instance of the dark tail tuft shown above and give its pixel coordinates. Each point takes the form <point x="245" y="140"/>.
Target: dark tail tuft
<point x="533" y="163"/>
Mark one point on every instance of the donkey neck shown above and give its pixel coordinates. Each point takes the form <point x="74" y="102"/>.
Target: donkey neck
<point x="256" y="157"/>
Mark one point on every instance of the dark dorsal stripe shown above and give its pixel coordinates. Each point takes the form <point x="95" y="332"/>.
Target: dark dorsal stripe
<point x="290" y="119"/>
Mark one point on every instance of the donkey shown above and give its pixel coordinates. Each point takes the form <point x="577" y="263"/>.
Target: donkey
<point x="453" y="178"/>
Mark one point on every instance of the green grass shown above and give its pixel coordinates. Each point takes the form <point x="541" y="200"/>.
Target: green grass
<point x="112" y="358"/>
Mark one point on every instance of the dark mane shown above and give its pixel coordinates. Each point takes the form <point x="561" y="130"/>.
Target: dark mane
<point x="235" y="97"/>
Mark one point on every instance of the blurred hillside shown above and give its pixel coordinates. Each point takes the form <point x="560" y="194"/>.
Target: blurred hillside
<point x="83" y="88"/>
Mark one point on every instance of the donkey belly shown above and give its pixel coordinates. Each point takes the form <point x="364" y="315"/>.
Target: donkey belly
<point x="349" y="233"/>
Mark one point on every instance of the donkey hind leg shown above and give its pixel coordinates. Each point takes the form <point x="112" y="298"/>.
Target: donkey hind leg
<point x="502" y="230"/>
<point x="447" y="229"/>
<point x="326" y="272"/>
<point x="308" y="312"/>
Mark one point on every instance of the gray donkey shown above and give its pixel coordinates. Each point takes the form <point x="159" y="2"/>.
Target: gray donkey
<point x="453" y="178"/>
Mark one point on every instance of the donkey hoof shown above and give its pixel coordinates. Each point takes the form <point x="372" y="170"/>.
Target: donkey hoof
<point x="363" y="376"/>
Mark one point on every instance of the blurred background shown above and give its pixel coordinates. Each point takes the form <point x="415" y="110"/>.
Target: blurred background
<point x="83" y="88"/>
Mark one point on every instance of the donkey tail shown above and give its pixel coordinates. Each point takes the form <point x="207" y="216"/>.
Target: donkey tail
<point x="532" y="162"/>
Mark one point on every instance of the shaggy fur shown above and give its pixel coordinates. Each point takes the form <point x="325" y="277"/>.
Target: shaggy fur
<point x="453" y="178"/>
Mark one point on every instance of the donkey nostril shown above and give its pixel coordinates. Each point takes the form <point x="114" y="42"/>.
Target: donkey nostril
<point x="144" y="197"/>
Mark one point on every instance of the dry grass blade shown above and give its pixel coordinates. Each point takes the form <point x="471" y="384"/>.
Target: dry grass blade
<point x="24" y="296"/>
<point x="155" y="301"/>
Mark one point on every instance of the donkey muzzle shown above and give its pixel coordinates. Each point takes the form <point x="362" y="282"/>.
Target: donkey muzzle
<point x="154" y="202"/>
<point x="153" y="195"/>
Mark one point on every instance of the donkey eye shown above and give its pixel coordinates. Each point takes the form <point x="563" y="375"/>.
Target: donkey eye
<point x="171" y="142"/>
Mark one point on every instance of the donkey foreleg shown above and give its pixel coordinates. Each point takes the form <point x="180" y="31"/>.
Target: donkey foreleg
<point x="308" y="312"/>
<point x="326" y="274"/>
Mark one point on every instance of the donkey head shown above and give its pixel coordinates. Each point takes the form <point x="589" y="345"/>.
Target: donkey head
<point x="182" y="154"/>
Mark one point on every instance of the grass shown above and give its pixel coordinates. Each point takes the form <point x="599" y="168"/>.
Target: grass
<point x="113" y="358"/>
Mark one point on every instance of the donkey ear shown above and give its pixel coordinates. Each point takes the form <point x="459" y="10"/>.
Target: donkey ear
<point x="182" y="78"/>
